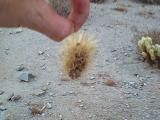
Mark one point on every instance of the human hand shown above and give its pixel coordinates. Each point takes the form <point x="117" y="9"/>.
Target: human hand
<point x="39" y="16"/>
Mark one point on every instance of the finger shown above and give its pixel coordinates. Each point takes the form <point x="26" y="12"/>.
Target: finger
<point x="79" y="13"/>
<point x="43" y="19"/>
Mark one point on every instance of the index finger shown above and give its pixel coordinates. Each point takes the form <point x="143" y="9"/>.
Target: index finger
<point x="79" y="13"/>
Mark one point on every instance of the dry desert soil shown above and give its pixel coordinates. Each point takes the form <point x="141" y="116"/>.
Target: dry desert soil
<point x="135" y="95"/>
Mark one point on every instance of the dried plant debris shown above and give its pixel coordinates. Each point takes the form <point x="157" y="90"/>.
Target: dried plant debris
<point x="37" y="108"/>
<point x="77" y="54"/>
<point x="146" y="14"/>
<point x="150" y="1"/>
<point x="121" y="9"/>
<point x="97" y="1"/>
<point x="149" y="50"/>
<point x="13" y="97"/>
<point x="63" y="7"/>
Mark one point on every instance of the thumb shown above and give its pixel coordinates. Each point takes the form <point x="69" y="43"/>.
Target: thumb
<point x="43" y="19"/>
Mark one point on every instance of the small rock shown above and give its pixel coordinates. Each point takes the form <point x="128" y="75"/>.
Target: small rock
<point x="135" y="94"/>
<point x="49" y="106"/>
<point x="79" y="101"/>
<point x="2" y="108"/>
<point x="44" y="67"/>
<point x="19" y="67"/>
<point x="48" y="83"/>
<point x="38" y="92"/>
<point x="115" y="58"/>
<point x="40" y="52"/>
<point x="6" y="48"/>
<point x="90" y="116"/>
<point x="92" y="86"/>
<point x="110" y="83"/>
<point x="44" y="88"/>
<point x="60" y="117"/>
<point x="81" y="105"/>
<point x="92" y="78"/>
<point x="48" y="55"/>
<point x="1" y="92"/>
<point x="137" y="75"/>
<point x="131" y="84"/>
<point x="125" y="54"/>
<point x="26" y="76"/>
<point x="71" y="92"/>
<point x="113" y="50"/>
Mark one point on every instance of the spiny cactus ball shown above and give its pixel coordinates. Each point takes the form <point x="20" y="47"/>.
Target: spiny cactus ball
<point x="77" y="53"/>
<point x="151" y="1"/>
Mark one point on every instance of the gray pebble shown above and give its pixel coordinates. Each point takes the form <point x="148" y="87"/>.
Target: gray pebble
<point x="2" y="108"/>
<point x="51" y="94"/>
<point x="60" y="117"/>
<point x="1" y="92"/>
<point x="71" y="92"/>
<point x="79" y="101"/>
<point x="49" y="106"/>
<point x="44" y="88"/>
<point x="19" y="67"/>
<point x="125" y="54"/>
<point x="131" y="84"/>
<point x="6" y="48"/>
<point x="81" y="105"/>
<point x="26" y="76"/>
<point x="92" y="78"/>
<point x="40" y="52"/>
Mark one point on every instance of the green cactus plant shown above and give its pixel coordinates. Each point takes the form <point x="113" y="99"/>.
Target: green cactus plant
<point x="149" y="50"/>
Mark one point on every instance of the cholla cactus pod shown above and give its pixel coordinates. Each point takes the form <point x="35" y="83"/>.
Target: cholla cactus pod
<point x="63" y="7"/>
<point x="97" y="1"/>
<point x="151" y="1"/>
<point x="149" y="51"/>
<point x="157" y="50"/>
<point x="77" y="54"/>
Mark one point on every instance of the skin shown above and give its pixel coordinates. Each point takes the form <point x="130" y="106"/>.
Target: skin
<point x="39" y="16"/>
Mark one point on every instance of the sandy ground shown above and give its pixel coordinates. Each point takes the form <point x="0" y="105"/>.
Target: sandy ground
<point x="135" y="97"/>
